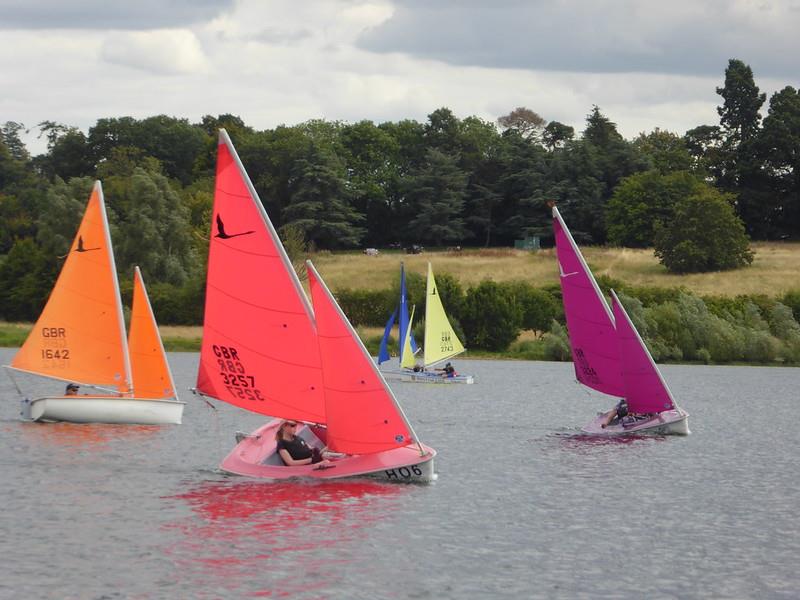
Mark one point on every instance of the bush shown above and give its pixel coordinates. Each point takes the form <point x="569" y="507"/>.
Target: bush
<point x="704" y="235"/>
<point x="491" y="319"/>
<point x="556" y="343"/>
<point x="538" y="306"/>
<point x="367" y="307"/>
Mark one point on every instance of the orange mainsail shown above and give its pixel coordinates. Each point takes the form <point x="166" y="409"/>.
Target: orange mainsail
<point x="363" y="416"/>
<point x="80" y="335"/>
<point x="149" y="368"/>
<point x="259" y="347"/>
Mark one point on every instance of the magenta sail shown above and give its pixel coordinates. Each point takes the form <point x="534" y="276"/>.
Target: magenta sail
<point x="589" y="320"/>
<point x="645" y="390"/>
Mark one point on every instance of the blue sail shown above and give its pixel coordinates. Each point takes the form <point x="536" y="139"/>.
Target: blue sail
<point x="404" y="314"/>
<point x="383" y="354"/>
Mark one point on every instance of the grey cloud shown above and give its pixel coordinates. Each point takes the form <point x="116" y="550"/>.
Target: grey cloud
<point x="686" y="37"/>
<point x="107" y="14"/>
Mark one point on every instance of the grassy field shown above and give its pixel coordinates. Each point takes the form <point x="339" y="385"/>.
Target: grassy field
<point x="775" y="270"/>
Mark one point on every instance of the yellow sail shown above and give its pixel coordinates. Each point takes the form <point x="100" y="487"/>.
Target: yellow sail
<point x="408" y="361"/>
<point x="441" y="341"/>
<point x="151" y="375"/>
<point x="80" y="334"/>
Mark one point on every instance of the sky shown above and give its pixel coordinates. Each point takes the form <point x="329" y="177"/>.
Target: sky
<point x="647" y="64"/>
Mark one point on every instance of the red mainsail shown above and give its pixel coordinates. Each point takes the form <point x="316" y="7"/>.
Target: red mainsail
<point x="363" y="416"/>
<point x="259" y="347"/>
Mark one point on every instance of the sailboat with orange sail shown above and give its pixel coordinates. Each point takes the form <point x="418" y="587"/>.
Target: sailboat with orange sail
<point x="80" y="338"/>
<point x="266" y="350"/>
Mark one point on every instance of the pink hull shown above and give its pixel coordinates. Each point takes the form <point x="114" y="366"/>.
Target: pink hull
<point x="669" y="422"/>
<point x="255" y="456"/>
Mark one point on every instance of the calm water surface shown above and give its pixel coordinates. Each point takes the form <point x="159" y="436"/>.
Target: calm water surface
<point x="524" y="506"/>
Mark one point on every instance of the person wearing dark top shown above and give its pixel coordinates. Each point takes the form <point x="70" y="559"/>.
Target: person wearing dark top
<point x="293" y="449"/>
<point x="619" y="411"/>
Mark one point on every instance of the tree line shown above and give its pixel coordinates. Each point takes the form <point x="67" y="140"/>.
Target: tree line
<point x="446" y="181"/>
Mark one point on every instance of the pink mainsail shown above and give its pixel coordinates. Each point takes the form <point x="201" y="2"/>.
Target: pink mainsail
<point x="259" y="347"/>
<point x="363" y="416"/>
<point x="595" y="351"/>
<point x="645" y="390"/>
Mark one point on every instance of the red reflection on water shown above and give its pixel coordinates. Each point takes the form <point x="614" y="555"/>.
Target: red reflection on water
<point x="79" y="434"/>
<point x="276" y="538"/>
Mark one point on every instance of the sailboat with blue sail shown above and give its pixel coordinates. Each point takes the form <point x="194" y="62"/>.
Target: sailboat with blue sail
<point x="440" y="343"/>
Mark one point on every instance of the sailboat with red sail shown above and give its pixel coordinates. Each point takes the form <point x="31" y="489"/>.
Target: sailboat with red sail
<point x="80" y="338"/>
<point x="609" y="354"/>
<point x="265" y="349"/>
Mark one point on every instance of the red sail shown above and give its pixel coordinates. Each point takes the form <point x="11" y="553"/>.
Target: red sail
<point x="363" y="416"/>
<point x="259" y="347"/>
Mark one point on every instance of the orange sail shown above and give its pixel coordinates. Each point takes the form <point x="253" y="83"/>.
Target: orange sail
<point x="363" y="416"/>
<point x="80" y="335"/>
<point x="259" y="347"/>
<point x="151" y="374"/>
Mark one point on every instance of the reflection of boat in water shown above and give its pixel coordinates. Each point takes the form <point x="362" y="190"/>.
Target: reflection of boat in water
<point x="80" y="338"/>
<point x="608" y="354"/>
<point x="266" y="350"/>
<point x="79" y="435"/>
<point x="249" y="538"/>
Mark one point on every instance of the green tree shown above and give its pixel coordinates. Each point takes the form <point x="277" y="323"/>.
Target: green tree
<point x="26" y="277"/>
<point x="666" y="151"/>
<point x="644" y="200"/>
<point x="779" y="145"/>
<point x="740" y="169"/>
<point x="319" y="204"/>
<point x="556" y="135"/>
<point x="490" y="318"/>
<point x="61" y="214"/>
<point x="704" y="235"/>
<point x="436" y="197"/>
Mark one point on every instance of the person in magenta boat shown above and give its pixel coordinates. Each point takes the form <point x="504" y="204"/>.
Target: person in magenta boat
<point x="619" y="411"/>
<point x="293" y="449"/>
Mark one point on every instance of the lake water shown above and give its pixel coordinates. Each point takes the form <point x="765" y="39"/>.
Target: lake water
<point x="524" y="506"/>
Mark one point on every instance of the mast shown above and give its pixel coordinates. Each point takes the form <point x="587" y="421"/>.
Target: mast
<point x="121" y="319"/>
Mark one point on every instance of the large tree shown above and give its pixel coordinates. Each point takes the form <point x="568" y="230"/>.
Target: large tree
<point x="704" y="235"/>
<point x="435" y="199"/>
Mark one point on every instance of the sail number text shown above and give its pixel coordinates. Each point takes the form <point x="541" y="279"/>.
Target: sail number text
<point x="234" y="376"/>
<point x="446" y="344"/>
<point x="54" y="346"/>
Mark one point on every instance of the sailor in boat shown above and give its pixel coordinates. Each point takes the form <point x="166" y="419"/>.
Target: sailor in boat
<point x="448" y="371"/>
<point x="72" y="389"/>
<point x="293" y="449"/>
<point x="621" y="414"/>
<point x="419" y="367"/>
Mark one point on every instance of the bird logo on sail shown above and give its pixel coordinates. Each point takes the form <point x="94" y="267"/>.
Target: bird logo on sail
<point x="561" y="271"/>
<point x="226" y="236"/>
<point x="80" y="247"/>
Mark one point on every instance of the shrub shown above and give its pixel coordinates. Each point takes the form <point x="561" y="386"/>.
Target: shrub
<point x="491" y="319"/>
<point x="538" y="306"/>
<point x="704" y="235"/>
<point x="367" y="307"/>
<point x="556" y="343"/>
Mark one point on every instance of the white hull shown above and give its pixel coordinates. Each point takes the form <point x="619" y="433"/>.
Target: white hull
<point x="104" y="409"/>
<point x="428" y="377"/>
<point x="669" y="422"/>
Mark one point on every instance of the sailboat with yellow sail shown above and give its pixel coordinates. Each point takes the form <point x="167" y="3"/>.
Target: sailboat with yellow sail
<point x="440" y="342"/>
<point x="80" y="338"/>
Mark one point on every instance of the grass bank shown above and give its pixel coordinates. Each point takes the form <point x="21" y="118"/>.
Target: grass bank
<point x="775" y="269"/>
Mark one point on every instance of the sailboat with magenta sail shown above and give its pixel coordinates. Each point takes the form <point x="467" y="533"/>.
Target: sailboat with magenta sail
<point x="609" y="354"/>
<point x="80" y="338"/>
<point x="266" y="350"/>
<point x="440" y="341"/>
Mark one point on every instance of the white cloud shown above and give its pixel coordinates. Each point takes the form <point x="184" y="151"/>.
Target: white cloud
<point x="286" y="62"/>
<point x="164" y="51"/>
